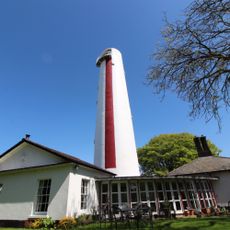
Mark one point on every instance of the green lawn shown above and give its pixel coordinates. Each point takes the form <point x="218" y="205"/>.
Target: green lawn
<point x="195" y="224"/>
<point x="211" y="223"/>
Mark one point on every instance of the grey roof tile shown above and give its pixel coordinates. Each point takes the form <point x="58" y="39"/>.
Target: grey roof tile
<point x="203" y="165"/>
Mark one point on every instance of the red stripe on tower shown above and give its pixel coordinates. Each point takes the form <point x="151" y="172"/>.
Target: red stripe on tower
<point x="110" y="156"/>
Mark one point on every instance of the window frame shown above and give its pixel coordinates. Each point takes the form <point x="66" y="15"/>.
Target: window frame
<point x="84" y="193"/>
<point x="119" y="194"/>
<point x="42" y="187"/>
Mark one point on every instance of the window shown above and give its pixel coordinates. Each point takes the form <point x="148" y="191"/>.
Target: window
<point x="193" y="198"/>
<point x="175" y="195"/>
<point x="104" y="194"/>
<point x="147" y="194"/>
<point x="183" y="195"/>
<point x="169" y="186"/>
<point x="133" y="194"/>
<point x="115" y="193"/>
<point x="143" y="192"/>
<point x="119" y="194"/>
<point x="151" y="195"/>
<point x="43" y="196"/>
<point x="160" y="193"/>
<point x="84" y="193"/>
<point x="123" y="188"/>
<point x="205" y="194"/>
<point x="1" y="186"/>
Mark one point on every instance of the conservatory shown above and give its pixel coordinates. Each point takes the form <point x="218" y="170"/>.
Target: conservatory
<point x="181" y="193"/>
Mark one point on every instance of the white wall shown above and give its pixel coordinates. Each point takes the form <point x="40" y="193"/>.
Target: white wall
<point x="19" y="191"/>
<point x="27" y="155"/>
<point x="74" y="198"/>
<point x="222" y="187"/>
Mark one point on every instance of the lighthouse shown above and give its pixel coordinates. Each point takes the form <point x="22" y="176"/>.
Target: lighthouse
<point x="115" y="148"/>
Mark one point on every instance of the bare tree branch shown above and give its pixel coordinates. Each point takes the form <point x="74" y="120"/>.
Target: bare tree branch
<point x="194" y="60"/>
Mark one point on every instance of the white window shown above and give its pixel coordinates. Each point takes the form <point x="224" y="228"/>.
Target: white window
<point x="104" y="194"/>
<point x="148" y="194"/>
<point x="193" y="199"/>
<point x="177" y="204"/>
<point x="151" y="195"/>
<point x="43" y="195"/>
<point x="119" y="194"/>
<point x="133" y="194"/>
<point x="205" y="194"/>
<point x="183" y="195"/>
<point x="84" y="193"/>
<point x="160" y="193"/>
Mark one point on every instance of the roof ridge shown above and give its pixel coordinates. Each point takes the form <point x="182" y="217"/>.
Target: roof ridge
<point x="63" y="155"/>
<point x="50" y="149"/>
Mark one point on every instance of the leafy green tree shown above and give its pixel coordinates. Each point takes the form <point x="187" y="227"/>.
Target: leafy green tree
<point x="166" y="152"/>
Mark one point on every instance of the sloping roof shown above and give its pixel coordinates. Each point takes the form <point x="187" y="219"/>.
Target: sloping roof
<point x="136" y="178"/>
<point x="64" y="156"/>
<point x="203" y="165"/>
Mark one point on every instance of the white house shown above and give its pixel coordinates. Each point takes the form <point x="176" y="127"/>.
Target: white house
<point x="36" y="181"/>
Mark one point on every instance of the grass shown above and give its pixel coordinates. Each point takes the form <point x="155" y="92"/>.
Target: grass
<point x="210" y="223"/>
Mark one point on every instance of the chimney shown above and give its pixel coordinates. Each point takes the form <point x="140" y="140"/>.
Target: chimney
<point x="202" y="146"/>
<point x="27" y="136"/>
<point x="207" y="151"/>
<point x="198" y="145"/>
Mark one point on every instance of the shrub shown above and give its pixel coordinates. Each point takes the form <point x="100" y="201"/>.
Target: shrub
<point x="37" y="223"/>
<point x="67" y="223"/>
<point x="84" y="219"/>
<point x="44" y="223"/>
<point x="48" y="223"/>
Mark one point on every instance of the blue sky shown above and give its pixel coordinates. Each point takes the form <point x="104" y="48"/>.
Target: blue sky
<point x="48" y="77"/>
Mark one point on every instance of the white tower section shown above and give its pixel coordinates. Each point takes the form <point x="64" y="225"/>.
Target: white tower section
<point x="115" y="148"/>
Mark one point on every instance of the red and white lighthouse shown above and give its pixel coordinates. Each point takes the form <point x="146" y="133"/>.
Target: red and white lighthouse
<point x="115" y="148"/>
